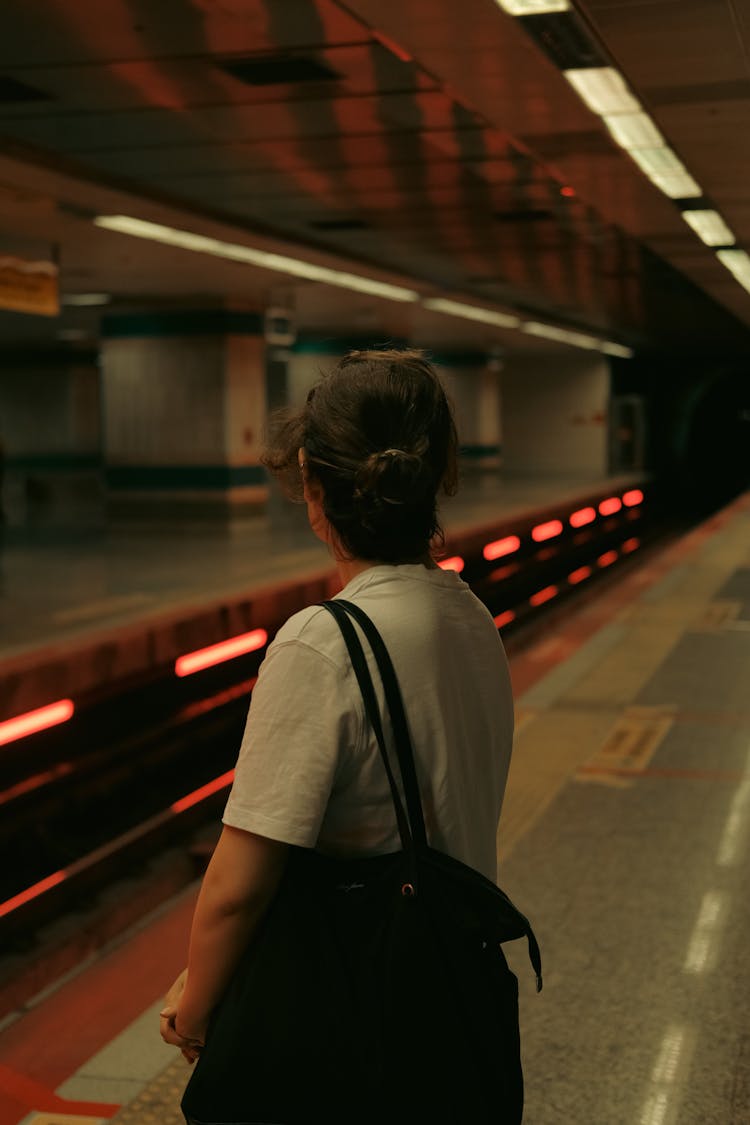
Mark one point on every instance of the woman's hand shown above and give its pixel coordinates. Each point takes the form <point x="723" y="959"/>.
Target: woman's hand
<point x="189" y="1040"/>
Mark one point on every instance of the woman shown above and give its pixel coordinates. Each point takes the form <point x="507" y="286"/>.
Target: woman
<point x="371" y="449"/>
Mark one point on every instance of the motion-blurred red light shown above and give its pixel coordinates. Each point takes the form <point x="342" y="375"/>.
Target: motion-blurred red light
<point x="455" y="562"/>
<point x="37" y="889"/>
<point x="607" y="558"/>
<point x="579" y="575"/>
<point x="217" y="654"/>
<point x="501" y="547"/>
<point x="546" y="530"/>
<point x="199" y="795"/>
<point x="543" y="595"/>
<point x="568" y="191"/>
<point x="582" y="517"/>
<point x="505" y="618"/>
<point x="33" y="721"/>
<point x="609" y="506"/>
<point x="630" y="545"/>
<point x="630" y="499"/>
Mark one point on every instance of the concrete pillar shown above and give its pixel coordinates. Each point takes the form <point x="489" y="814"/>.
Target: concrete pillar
<point x="51" y="436"/>
<point x="184" y="408"/>
<point x="473" y="382"/>
<point x="555" y="415"/>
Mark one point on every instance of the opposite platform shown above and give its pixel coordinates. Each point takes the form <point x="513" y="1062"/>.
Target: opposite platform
<point x="83" y="612"/>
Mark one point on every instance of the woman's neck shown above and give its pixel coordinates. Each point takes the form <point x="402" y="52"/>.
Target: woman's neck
<point x="350" y="568"/>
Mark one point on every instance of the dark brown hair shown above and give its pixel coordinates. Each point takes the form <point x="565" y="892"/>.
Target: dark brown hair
<point x="379" y="436"/>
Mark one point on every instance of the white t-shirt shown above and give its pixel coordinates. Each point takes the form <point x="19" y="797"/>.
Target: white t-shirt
<point x="309" y="770"/>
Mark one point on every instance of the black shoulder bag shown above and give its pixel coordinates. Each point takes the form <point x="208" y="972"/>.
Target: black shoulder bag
<point x="375" y="991"/>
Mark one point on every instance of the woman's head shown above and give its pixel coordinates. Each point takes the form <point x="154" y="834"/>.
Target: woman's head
<point x="379" y="442"/>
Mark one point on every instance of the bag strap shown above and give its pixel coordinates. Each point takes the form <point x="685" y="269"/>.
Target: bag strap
<point x="399" y="725"/>
<point x="364" y="679"/>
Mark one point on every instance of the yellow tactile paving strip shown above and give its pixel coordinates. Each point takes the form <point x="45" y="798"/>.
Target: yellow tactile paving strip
<point x="554" y="742"/>
<point x="159" y="1102"/>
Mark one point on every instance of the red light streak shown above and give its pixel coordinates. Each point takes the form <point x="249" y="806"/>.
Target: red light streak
<point x="501" y="547"/>
<point x="607" y="558"/>
<point x="579" y="575"/>
<point x="543" y="595"/>
<point x="217" y="654"/>
<point x="547" y="530"/>
<point x="582" y="517"/>
<point x="568" y="192"/>
<point x="630" y="499"/>
<point x="37" y="889"/>
<point x="33" y="721"/>
<point x="504" y="618"/>
<point x="630" y="545"/>
<point x="503" y="572"/>
<point x="455" y="562"/>
<point x="610" y="506"/>
<point x="199" y="795"/>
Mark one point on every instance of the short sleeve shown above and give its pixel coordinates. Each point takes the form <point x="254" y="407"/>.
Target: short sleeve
<point x="303" y="719"/>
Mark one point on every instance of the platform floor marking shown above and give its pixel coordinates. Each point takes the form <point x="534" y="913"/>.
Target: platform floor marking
<point x="159" y="1102"/>
<point x="718" y="615"/>
<point x="630" y="745"/>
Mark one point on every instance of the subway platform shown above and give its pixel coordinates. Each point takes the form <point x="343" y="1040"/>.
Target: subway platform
<point x="84" y="609"/>
<point x="625" y="835"/>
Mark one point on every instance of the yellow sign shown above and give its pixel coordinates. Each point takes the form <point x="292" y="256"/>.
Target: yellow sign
<point x="30" y="287"/>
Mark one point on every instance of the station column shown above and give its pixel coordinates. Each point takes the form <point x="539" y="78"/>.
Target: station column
<point x="472" y="380"/>
<point x="184" y="408"/>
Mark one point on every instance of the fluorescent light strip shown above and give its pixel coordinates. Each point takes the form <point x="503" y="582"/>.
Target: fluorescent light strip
<point x="471" y="312"/>
<point x="233" y="251"/>
<point x="710" y="227"/>
<point x="633" y="130"/>
<point x="738" y="263"/>
<point x="603" y="89"/>
<point x="533" y="7"/>
<point x="616" y="349"/>
<point x="550" y="332"/>
<point x="666" y="171"/>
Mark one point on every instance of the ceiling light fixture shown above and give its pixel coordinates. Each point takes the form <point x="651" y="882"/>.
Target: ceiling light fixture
<point x="710" y="227"/>
<point x="533" y="7"/>
<point x="738" y="263"/>
<point x="471" y="312"/>
<point x="603" y="90"/>
<point x="233" y="251"/>
<point x="633" y="130"/>
<point x="563" y="335"/>
<point x="618" y="350"/>
<point x="84" y="300"/>
<point x="666" y="171"/>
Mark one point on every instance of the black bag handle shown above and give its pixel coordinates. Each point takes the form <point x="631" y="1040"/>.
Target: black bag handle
<point x="395" y="704"/>
<point x="362" y="672"/>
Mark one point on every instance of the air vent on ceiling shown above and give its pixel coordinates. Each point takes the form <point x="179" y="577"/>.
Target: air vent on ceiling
<point x="565" y="39"/>
<point x="13" y="91"/>
<point x="339" y="224"/>
<point x="277" y="70"/>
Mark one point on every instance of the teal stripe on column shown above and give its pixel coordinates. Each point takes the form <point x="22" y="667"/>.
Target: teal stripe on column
<point x="53" y="462"/>
<point x="459" y="359"/>
<point x="146" y="477"/>
<point x="480" y="450"/>
<point x="182" y="322"/>
<point x="339" y="345"/>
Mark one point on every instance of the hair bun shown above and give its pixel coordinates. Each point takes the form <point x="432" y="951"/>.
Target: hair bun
<point x="388" y="475"/>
